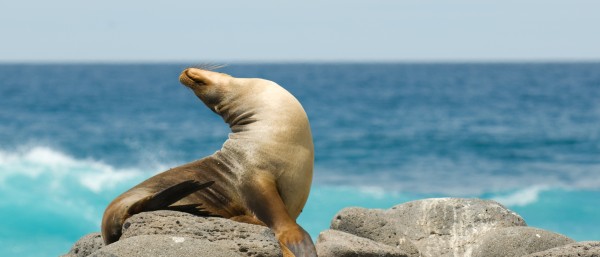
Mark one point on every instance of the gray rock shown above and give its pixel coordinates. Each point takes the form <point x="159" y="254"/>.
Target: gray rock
<point x="581" y="249"/>
<point x="164" y="245"/>
<point x="518" y="241"/>
<point x="158" y="234"/>
<point x="86" y="245"/>
<point x="243" y="238"/>
<point x="438" y="227"/>
<point x="333" y="243"/>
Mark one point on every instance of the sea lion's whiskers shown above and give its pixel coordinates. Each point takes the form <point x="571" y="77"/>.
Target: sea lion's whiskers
<point x="208" y="66"/>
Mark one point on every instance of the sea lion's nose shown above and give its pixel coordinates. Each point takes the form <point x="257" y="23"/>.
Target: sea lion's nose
<point x="192" y="77"/>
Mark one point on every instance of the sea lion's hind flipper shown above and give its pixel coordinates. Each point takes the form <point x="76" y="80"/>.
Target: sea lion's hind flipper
<point x="300" y="247"/>
<point x="168" y="196"/>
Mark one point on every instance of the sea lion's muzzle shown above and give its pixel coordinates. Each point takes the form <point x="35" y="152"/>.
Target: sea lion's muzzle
<point x="192" y="78"/>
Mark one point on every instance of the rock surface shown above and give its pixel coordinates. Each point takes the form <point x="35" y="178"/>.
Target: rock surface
<point x="164" y="245"/>
<point x="336" y="243"/>
<point x="170" y="233"/>
<point x="581" y="249"/>
<point x="86" y="245"/>
<point x="518" y="241"/>
<point x="438" y="227"/>
<point x="424" y="228"/>
<point x="251" y="240"/>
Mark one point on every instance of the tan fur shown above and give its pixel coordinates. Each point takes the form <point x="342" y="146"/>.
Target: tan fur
<point x="262" y="173"/>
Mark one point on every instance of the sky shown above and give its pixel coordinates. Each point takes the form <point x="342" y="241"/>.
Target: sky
<point x="299" y="31"/>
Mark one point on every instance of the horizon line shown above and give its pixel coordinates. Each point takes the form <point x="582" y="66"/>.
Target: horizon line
<point x="324" y="61"/>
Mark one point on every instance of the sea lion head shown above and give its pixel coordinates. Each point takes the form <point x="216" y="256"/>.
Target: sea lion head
<point x="239" y="100"/>
<point x="249" y="104"/>
<point x="211" y="87"/>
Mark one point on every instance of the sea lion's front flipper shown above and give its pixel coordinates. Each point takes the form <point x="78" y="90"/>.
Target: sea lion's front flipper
<point x="167" y="196"/>
<point x="300" y="247"/>
<point x="265" y="202"/>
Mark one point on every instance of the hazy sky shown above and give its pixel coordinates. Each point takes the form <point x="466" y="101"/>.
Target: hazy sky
<point x="335" y="30"/>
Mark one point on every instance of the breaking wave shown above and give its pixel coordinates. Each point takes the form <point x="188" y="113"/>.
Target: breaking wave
<point x="53" y="198"/>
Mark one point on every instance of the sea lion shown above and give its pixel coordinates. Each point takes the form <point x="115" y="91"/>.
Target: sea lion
<point x="261" y="175"/>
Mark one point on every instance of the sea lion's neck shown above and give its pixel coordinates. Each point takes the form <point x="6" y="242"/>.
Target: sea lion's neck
<point x="270" y="119"/>
<point x="238" y="119"/>
<point x="268" y="111"/>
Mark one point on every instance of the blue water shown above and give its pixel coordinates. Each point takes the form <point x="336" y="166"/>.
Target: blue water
<point x="73" y="137"/>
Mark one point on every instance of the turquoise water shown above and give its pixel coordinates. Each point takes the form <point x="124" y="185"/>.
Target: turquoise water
<point x="72" y="137"/>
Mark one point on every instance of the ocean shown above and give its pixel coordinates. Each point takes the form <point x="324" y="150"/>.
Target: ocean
<point x="74" y="136"/>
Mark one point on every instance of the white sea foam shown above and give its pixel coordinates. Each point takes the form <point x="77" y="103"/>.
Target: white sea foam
<point x="74" y="191"/>
<point x="56" y="166"/>
<point x="106" y="177"/>
<point x="522" y="197"/>
<point x="373" y="191"/>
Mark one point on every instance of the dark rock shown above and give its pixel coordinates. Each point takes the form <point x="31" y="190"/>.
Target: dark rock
<point x="333" y="243"/>
<point x="581" y="249"/>
<point x="86" y="245"/>
<point x="438" y="227"/>
<point x="517" y="241"/>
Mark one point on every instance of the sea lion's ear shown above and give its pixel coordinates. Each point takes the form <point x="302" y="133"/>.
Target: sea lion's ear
<point x="167" y="196"/>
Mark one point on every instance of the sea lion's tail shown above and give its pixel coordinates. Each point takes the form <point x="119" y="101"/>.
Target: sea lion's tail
<point x="134" y="202"/>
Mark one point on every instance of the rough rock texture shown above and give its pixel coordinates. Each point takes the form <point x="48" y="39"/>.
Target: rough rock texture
<point x="425" y="228"/>
<point x="581" y="249"/>
<point x="518" y="241"/>
<point x="251" y="240"/>
<point x="336" y="243"/>
<point x="86" y="245"/>
<point x="170" y="233"/>
<point x="164" y="245"/>
<point x="438" y="227"/>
